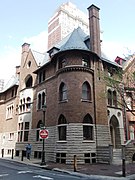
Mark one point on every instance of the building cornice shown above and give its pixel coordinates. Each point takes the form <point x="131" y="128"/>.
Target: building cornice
<point x="74" y="68"/>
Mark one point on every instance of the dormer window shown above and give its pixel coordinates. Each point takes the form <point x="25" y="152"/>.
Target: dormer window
<point x="110" y="71"/>
<point x="85" y="61"/>
<point x="62" y="62"/>
<point x="41" y="76"/>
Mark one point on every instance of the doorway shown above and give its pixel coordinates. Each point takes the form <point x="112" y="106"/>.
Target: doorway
<point x="115" y="132"/>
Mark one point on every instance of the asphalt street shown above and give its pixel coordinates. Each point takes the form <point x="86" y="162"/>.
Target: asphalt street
<point x="10" y="170"/>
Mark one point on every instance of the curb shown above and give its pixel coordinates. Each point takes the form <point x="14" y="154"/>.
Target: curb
<point x="70" y="172"/>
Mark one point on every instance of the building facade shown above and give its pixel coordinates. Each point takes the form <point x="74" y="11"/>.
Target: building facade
<point x="82" y="112"/>
<point x="129" y="91"/>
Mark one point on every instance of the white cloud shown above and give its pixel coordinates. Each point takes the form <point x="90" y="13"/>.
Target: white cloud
<point x="114" y="49"/>
<point x="38" y="42"/>
<point x="9" y="60"/>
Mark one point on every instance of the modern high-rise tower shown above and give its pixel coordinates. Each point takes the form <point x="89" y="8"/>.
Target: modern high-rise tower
<point x="66" y="18"/>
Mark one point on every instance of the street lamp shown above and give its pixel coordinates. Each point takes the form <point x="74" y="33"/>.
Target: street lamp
<point x="43" y="147"/>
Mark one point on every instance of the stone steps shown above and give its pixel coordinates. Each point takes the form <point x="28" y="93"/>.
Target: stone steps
<point x="117" y="156"/>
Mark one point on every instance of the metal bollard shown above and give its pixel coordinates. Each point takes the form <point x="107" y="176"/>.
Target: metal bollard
<point x="2" y="151"/>
<point x="123" y="168"/>
<point x="22" y="156"/>
<point x="12" y="154"/>
<point x="75" y="163"/>
<point x="123" y="161"/>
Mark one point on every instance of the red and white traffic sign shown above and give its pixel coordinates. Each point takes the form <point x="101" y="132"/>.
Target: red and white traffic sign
<point x="43" y="133"/>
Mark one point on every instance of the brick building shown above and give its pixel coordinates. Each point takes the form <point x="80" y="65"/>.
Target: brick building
<point x="82" y="115"/>
<point x="129" y="87"/>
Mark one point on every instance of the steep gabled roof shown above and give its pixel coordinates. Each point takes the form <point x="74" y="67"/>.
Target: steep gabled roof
<point x="110" y="62"/>
<point x="14" y="81"/>
<point x="40" y="58"/>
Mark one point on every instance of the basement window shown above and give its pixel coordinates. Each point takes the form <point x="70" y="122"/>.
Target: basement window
<point x="90" y="158"/>
<point x="61" y="158"/>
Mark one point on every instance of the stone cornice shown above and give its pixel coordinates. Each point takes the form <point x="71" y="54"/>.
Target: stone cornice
<point x="74" y="68"/>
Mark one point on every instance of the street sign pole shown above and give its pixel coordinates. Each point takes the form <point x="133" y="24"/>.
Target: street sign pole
<point x="43" y="147"/>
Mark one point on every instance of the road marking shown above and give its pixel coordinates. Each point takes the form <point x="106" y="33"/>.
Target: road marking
<point x="23" y="172"/>
<point x="1" y="175"/>
<point x="43" y="177"/>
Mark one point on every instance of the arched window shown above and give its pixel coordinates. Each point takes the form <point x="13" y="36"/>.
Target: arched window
<point x="109" y="96"/>
<point x="62" y="92"/>
<point x="86" y="91"/>
<point x="39" y="101"/>
<point x="39" y="124"/>
<point x="62" y="128"/>
<point x="29" y="81"/>
<point x="87" y="128"/>
<point x="43" y="99"/>
<point x="28" y="104"/>
<point x="114" y="98"/>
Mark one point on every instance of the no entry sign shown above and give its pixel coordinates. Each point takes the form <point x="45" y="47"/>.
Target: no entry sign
<point x="43" y="133"/>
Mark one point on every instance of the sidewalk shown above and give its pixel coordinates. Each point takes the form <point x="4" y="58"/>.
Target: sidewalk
<point x="95" y="170"/>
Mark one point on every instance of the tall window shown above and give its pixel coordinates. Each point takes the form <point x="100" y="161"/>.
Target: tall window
<point x="23" y="131"/>
<point x="40" y="123"/>
<point x="28" y="104"/>
<point x="62" y="92"/>
<point x="9" y="111"/>
<point x="29" y="81"/>
<point x="62" y="127"/>
<point x="86" y="91"/>
<point x="41" y="76"/>
<point x="109" y="94"/>
<point x="114" y="98"/>
<point x="26" y="131"/>
<point x="87" y="128"/>
<point x="41" y="99"/>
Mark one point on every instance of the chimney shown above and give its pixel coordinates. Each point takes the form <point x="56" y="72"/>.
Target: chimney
<point x="94" y="27"/>
<point x="25" y="51"/>
<point x="25" y="47"/>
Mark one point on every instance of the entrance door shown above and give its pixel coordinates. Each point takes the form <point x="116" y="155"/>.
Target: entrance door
<point x="112" y="132"/>
<point x="115" y="132"/>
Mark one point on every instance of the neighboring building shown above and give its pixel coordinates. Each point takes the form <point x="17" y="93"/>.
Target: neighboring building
<point x="64" y="21"/>
<point x="129" y="91"/>
<point x="16" y="101"/>
<point x="8" y="117"/>
<point x="83" y="115"/>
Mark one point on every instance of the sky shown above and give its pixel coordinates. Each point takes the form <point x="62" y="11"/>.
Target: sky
<point x="27" y="21"/>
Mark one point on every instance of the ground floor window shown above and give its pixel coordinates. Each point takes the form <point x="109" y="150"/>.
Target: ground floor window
<point x="23" y="131"/>
<point x="37" y="154"/>
<point x="9" y="151"/>
<point x="61" y="158"/>
<point x="17" y="153"/>
<point x="90" y="158"/>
